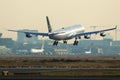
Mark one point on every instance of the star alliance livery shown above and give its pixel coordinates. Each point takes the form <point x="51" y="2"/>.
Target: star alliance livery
<point x="75" y="31"/>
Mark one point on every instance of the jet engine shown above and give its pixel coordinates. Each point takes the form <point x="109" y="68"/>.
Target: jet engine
<point x="103" y="34"/>
<point x="87" y="36"/>
<point x="28" y="35"/>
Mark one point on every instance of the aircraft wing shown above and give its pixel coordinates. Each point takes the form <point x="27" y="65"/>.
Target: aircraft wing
<point x="33" y="33"/>
<point x="95" y="32"/>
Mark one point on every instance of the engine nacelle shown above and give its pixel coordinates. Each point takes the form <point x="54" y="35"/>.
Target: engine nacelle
<point x="103" y="34"/>
<point x="87" y="36"/>
<point x="28" y="35"/>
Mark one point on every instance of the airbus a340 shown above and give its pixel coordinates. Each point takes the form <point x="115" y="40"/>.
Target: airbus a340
<point x="75" y="31"/>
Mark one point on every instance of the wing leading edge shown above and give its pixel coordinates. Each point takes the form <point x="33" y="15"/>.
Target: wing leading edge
<point x="95" y="32"/>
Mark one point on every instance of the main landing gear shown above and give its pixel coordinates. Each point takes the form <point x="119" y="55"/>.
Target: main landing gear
<point x="75" y="42"/>
<point x="65" y="42"/>
<point x="55" y="43"/>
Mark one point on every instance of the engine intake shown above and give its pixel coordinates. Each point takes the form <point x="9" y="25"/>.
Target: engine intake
<point x="87" y="36"/>
<point x="28" y="35"/>
<point x="102" y="34"/>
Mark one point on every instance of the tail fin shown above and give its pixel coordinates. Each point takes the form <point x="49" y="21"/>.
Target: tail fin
<point x="48" y="24"/>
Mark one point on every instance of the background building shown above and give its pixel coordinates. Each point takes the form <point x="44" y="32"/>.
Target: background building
<point x="23" y="45"/>
<point x="0" y="35"/>
<point x="21" y="37"/>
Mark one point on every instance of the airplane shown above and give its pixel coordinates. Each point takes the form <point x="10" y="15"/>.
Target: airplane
<point x="88" y="52"/>
<point x="67" y="33"/>
<point x="41" y="50"/>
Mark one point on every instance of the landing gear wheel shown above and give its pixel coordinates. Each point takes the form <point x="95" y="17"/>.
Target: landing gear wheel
<point x="55" y="43"/>
<point x="65" y="42"/>
<point x="75" y="42"/>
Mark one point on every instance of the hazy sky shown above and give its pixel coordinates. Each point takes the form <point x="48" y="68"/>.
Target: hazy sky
<point x="30" y="14"/>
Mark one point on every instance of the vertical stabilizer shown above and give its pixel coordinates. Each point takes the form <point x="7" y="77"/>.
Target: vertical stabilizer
<point x="48" y="24"/>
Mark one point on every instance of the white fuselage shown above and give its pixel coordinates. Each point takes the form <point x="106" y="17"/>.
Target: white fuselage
<point x="66" y="33"/>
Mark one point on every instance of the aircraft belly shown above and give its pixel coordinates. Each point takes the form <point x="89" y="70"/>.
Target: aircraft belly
<point x="59" y="37"/>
